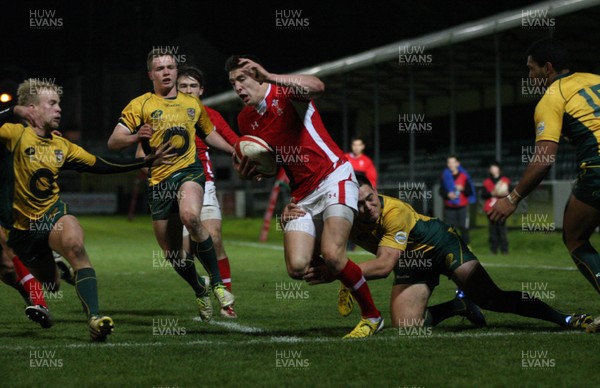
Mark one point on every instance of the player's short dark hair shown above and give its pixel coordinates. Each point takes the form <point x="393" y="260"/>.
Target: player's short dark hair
<point x="550" y="50"/>
<point x="495" y="163"/>
<point x="363" y="180"/>
<point x="156" y="53"/>
<point x="233" y="62"/>
<point x="192" y="72"/>
<point x="355" y="138"/>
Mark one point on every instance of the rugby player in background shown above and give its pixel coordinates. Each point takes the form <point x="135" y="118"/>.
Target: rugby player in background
<point x="39" y="220"/>
<point x="176" y="191"/>
<point x="279" y="109"/>
<point x="361" y="162"/>
<point x="190" y="80"/>
<point x="570" y="107"/>
<point x="393" y="230"/>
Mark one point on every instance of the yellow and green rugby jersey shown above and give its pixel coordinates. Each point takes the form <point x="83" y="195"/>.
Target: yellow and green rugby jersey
<point x="399" y="227"/>
<point x="30" y="167"/>
<point x="571" y="107"/>
<point x="173" y="119"/>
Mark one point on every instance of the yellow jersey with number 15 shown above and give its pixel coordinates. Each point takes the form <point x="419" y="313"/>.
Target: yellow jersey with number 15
<point x="570" y="107"/>
<point x="172" y="119"/>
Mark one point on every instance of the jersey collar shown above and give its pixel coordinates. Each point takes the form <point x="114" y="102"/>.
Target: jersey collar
<point x="261" y="108"/>
<point x="568" y="73"/>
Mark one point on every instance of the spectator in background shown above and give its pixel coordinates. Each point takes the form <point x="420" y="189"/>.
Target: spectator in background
<point x="495" y="187"/>
<point x="360" y="162"/>
<point x="458" y="191"/>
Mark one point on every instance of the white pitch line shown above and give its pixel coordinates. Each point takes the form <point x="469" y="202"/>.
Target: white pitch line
<point x="233" y="326"/>
<point x="501" y="265"/>
<point x="293" y="339"/>
<point x="364" y="253"/>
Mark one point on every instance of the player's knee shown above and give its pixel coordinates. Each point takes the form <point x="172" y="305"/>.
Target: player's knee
<point x="77" y="250"/>
<point x="296" y="270"/>
<point x="190" y="220"/>
<point x="75" y="253"/>
<point x="572" y="243"/>
<point x="332" y="254"/>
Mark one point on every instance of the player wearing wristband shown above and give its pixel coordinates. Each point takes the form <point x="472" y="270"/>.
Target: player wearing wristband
<point x="279" y="109"/>
<point x="37" y="220"/>
<point x="175" y="191"/>
<point x="395" y="232"/>
<point x="570" y="107"/>
<point x="190" y="80"/>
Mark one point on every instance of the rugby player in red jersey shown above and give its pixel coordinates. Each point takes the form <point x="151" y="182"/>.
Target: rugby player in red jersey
<point x="279" y="109"/>
<point x="190" y="80"/>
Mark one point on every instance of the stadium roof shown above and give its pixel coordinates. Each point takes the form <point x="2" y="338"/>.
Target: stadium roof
<point x="468" y="47"/>
<point x="470" y="67"/>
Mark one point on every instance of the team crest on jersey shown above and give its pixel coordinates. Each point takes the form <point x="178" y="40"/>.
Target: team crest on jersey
<point x="540" y="128"/>
<point x="59" y="156"/>
<point x="191" y="113"/>
<point x="30" y="151"/>
<point x="275" y="105"/>
<point x="400" y="238"/>
<point x="156" y="115"/>
<point x="254" y="125"/>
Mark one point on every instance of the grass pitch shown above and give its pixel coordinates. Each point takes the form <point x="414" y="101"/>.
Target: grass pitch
<point x="288" y="333"/>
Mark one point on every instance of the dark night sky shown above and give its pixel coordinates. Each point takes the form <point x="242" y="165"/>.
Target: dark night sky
<point x="107" y="37"/>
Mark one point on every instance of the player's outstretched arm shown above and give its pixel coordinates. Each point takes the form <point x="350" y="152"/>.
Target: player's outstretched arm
<point x="541" y="162"/>
<point x="305" y="85"/>
<point x="377" y="268"/>
<point x="122" y="137"/>
<point x="214" y="139"/>
<point x="113" y="165"/>
<point x="25" y="112"/>
<point x="381" y="266"/>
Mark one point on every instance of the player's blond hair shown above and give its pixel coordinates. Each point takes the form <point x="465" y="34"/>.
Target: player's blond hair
<point x="157" y="53"/>
<point x="30" y="90"/>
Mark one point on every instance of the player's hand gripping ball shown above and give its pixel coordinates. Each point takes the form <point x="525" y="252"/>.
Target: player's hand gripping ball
<point x="259" y="152"/>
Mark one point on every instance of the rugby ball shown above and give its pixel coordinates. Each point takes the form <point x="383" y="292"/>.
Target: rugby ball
<point x="501" y="189"/>
<point x="259" y="152"/>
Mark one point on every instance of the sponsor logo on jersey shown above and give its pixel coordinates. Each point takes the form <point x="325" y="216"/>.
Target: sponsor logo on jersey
<point x="400" y="238"/>
<point x="540" y="128"/>
<point x="157" y="114"/>
<point x="29" y="151"/>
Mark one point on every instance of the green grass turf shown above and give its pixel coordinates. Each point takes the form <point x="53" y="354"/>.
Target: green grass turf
<point x="291" y="342"/>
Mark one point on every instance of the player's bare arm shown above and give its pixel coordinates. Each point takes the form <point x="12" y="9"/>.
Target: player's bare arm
<point x="535" y="172"/>
<point x="122" y="138"/>
<point x="381" y="266"/>
<point x="214" y="139"/>
<point x="29" y="114"/>
<point x="377" y="268"/>
<point x="313" y="86"/>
